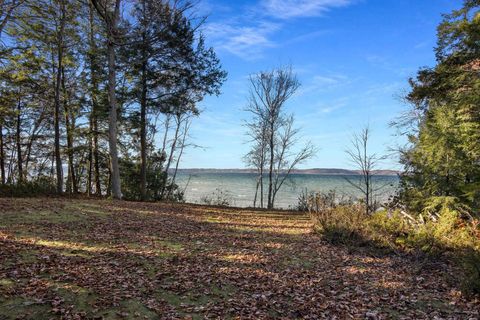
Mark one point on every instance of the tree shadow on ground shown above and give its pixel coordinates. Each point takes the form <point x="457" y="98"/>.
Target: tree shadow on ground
<point x="171" y="261"/>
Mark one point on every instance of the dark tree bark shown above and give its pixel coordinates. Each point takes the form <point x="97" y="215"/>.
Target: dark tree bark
<point x="2" y="156"/>
<point x="18" y="140"/>
<point x="271" y="141"/>
<point x="94" y="166"/>
<point x="58" y="159"/>
<point x="143" y="123"/>
<point x="70" y="127"/>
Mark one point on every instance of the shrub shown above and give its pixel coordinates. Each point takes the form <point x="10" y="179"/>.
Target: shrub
<point x="218" y="198"/>
<point x="41" y="186"/>
<point x="388" y="229"/>
<point x="158" y="185"/>
<point x="445" y="228"/>
<point x="344" y="224"/>
<point x="302" y="203"/>
<point x="337" y="221"/>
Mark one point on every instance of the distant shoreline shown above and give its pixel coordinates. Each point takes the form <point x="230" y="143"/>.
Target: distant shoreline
<point x="313" y="171"/>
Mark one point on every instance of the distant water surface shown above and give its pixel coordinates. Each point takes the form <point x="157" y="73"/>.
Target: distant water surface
<point x="239" y="188"/>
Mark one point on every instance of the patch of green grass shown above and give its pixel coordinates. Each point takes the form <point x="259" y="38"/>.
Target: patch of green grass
<point x="27" y="256"/>
<point x="429" y="304"/>
<point x="6" y="283"/>
<point x="90" y="210"/>
<point x="213" y="219"/>
<point x="302" y="262"/>
<point x="128" y="309"/>
<point x="171" y="245"/>
<point x="75" y="253"/>
<point x="75" y="212"/>
<point x="24" y="308"/>
<point x="195" y="300"/>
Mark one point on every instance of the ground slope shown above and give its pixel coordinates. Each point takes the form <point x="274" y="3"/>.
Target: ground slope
<point x="78" y="259"/>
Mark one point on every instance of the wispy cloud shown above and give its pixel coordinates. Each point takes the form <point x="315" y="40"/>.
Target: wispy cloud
<point x="287" y="9"/>
<point x="388" y="65"/>
<point x="324" y="83"/>
<point x="307" y="36"/>
<point x="248" y="33"/>
<point x="247" y="42"/>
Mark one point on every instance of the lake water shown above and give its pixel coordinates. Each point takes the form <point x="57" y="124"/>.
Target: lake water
<point x="239" y="188"/>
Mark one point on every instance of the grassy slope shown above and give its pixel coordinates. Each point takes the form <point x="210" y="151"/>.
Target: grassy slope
<point x="98" y="258"/>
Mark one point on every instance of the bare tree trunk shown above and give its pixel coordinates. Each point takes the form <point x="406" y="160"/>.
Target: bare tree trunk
<point x="111" y="19"/>
<point x="69" y="125"/>
<point x="261" y="190"/>
<point x="109" y="182"/>
<point x="32" y="136"/>
<point x="366" y="164"/>
<point x="165" y="135"/>
<point x="90" y="157"/>
<point x="256" y="192"/>
<point x="112" y="116"/>
<point x="96" y="160"/>
<point x="112" y="120"/>
<point x="11" y="167"/>
<point x="93" y="157"/>
<point x="2" y="156"/>
<point x="172" y="151"/>
<point x="174" y="144"/>
<point x="270" y="171"/>
<point x="18" y="139"/>
<point x="143" y="122"/>
<point x="184" y="138"/>
<point x="58" y="159"/>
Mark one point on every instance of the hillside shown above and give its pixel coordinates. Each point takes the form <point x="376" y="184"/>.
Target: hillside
<point x="98" y="259"/>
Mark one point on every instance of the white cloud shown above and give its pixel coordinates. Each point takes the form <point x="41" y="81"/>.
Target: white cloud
<point x="323" y="83"/>
<point x="248" y="33"/>
<point x="246" y="42"/>
<point x="286" y="9"/>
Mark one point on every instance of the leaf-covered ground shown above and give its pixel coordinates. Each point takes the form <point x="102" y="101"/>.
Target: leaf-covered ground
<point x="99" y="259"/>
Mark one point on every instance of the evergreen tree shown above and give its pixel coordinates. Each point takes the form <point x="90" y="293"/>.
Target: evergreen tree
<point x="444" y="160"/>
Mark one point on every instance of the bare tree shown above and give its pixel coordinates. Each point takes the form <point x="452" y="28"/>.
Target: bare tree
<point x="366" y="163"/>
<point x="286" y="157"/>
<point x="272" y="130"/>
<point x="257" y="156"/>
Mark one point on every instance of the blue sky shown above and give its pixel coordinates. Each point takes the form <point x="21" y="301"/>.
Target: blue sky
<point x="352" y="57"/>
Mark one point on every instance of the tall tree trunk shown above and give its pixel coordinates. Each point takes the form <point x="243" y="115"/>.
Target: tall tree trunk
<point x="172" y="152"/>
<point x="90" y="156"/>
<point x="256" y="192"/>
<point x="112" y="115"/>
<point x="111" y="19"/>
<point x="93" y="143"/>
<point x="58" y="159"/>
<point x="109" y="182"/>
<point x="165" y="135"/>
<point x="2" y="156"/>
<point x="261" y="189"/>
<point x="184" y="139"/>
<point x="96" y="159"/>
<point x="18" y="139"/>
<point x="143" y="121"/>
<point x="69" y="125"/>
<point x="270" y="172"/>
